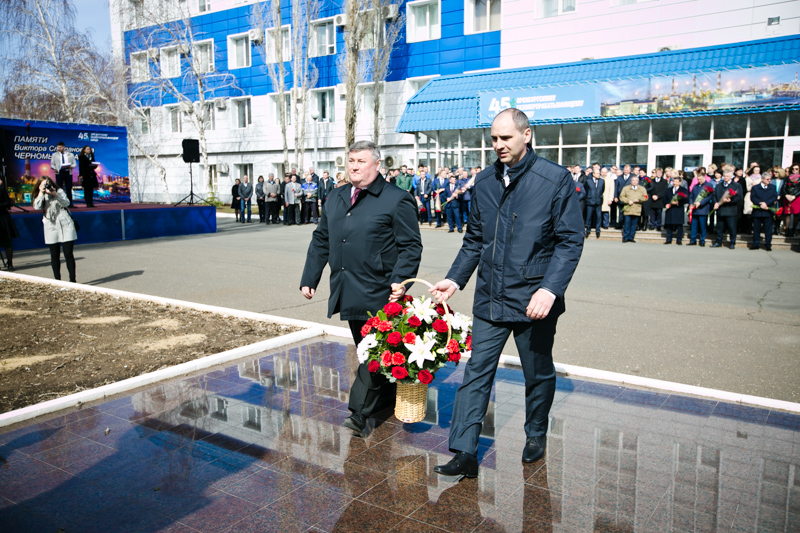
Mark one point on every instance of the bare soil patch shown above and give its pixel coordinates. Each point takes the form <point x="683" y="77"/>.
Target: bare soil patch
<point x="56" y="341"/>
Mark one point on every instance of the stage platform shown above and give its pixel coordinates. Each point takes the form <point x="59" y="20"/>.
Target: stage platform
<point x="119" y="222"/>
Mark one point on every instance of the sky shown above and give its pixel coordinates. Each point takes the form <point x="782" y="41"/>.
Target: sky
<point x="94" y="15"/>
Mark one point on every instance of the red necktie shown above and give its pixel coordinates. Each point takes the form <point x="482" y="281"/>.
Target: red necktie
<point x="354" y="196"/>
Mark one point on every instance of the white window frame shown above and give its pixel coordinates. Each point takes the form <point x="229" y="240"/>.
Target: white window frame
<point x="209" y="116"/>
<point x="203" y="6"/>
<point x="235" y="103"/>
<point x="174" y="118"/>
<point x="140" y="67"/>
<point x="164" y="55"/>
<point x="273" y="102"/>
<point x="328" y="94"/>
<point x="286" y="30"/>
<point x="411" y="26"/>
<point x="366" y="94"/>
<point x="328" y="23"/>
<point x="560" y="11"/>
<point x="372" y="38"/>
<point x="469" y="17"/>
<point x="145" y="123"/>
<point x="232" y="43"/>
<point x="197" y="56"/>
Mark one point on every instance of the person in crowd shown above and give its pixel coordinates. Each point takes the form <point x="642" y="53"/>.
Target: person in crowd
<point x="422" y="192"/>
<point x="701" y="203"/>
<point x="59" y="228"/>
<point x="594" y="203"/>
<point x="647" y="183"/>
<point x="577" y="172"/>
<point x="580" y="191"/>
<point x="765" y="198"/>
<point x="246" y="195"/>
<point x="272" y="194"/>
<point x="348" y="238"/>
<point x="62" y="162"/>
<point x="658" y="187"/>
<point x="452" y="207"/>
<point x="326" y="185"/>
<point x="727" y="197"/>
<point x="287" y="179"/>
<point x="313" y="175"/>
<point x="405" y="179"/>
<point x="8" y="231"/>
<point x="465" y="183"/>
<point x="294" y="198"/>
<point x="620" y="182"/>
<point x="88" y="174"/>
<point x="675" y="199"/>
<point x="437" y="202"/>
<point x="790" y="195"/>
<point x="310" y="198"/>
<point x="753" y="178"/>
<point x="527" y="299"/>
<point x="695" y="173"/>
<point x="341" y="180"/>
<point x="632" y="197"/>
<point x="236" y="200"/>
<point x="261" y="200"/>
<point x="608" y="197"/>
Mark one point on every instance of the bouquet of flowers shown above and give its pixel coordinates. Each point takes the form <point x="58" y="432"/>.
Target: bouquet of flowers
<point x="707" y="190"/>
<point x="678" y="197"/>
<point x="778" y="211"/>
<point x="730" y="193"/>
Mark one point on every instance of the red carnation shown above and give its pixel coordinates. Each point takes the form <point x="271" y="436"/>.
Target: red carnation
<point x="374" y="321"/>
<point x="440" y="326"/>
<point x="386" y="357"/>
<point x="681" y="195"/>
<point x="394" y="338"/>
<point x="365" y="329"/>
<point x="410" y="338"/>
<point x="392" y="309"/>
<point x="398" y="358"/>
<point x="732" y="192"/>
<point x="454" y="357"/>
<point x="425" y="377"/>
<point x="452" y="346"/>
<point x="578" y="189"/>
<point x="399" y="372"/>
<point x="374" y="366"/>
<point x="385" y="326"/>
<point x="414" y="322"/>
<point x="468" y="342"/>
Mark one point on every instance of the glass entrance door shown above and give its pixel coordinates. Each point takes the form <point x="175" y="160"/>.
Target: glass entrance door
<point x="684" y="156"/>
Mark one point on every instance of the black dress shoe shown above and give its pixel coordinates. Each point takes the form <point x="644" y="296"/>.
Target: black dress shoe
<point x="715" y="245"/>
<point x="356" y="422"/>
<point x="461" y="231"/>
<point x="631" y="240"/>
<point x="534" y="449"/>
<point x="679" y="243"/>
<point x="768" y="248"/>
<point x="732" y="246"/>
<point x="692" y="244"/>
<point x="702" y="245"/>
<point x="463" y="464"/>
<point x="450" y="231"/>
<point x="667" y="242"/>
<point x="753" y="247"/>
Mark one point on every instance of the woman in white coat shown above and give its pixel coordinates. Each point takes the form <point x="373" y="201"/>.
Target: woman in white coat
<point x="59" y="229"/>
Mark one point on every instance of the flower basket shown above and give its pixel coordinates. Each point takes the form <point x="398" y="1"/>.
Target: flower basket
<point x="408" y="341"/>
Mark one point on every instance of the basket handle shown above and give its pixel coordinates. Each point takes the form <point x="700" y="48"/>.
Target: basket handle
<point x="446" y="307"/>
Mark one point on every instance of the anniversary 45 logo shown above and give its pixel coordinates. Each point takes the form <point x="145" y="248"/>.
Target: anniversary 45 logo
<point x="497" y="105"/>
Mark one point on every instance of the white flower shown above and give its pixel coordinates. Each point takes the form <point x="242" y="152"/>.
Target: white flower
<point x="460" y="322"/>
<point x="423" y="308"/>
<point x="421" y="350"/>
<point x="362" y="350"/>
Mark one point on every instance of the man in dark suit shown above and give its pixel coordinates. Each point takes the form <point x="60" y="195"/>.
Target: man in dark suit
<point x="675" y="199"/>
<point x="700" y="209"/>
<point x="326" y="185"/>
<point x="525" y="237"/>
<point x="595" y="186"/>
<point x="727" y="197"/>
<point x="423" y="195"/>
<point x="764" y="196"/>
<point x="658" y="188"/>
<point x="369" y="236"/>
<point x="453" y="206"/>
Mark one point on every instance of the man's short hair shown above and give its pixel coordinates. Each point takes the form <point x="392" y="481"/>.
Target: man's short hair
<point x="360" y="146"/>
<point x="520" y="119"/>
<point x="60" y="143"/>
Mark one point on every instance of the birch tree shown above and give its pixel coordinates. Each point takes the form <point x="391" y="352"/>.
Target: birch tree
<point x="352" y="65"/>
<point x="386" y="37"/>
<point x="304" y="75"/>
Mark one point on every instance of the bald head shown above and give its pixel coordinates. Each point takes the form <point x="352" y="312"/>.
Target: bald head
<point x="519" y="118"/>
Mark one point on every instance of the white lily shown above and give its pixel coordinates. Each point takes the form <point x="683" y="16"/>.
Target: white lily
<point x="423" y="309"/>
<point x="362" y="350"/>
<point x="421" y="350"/>
<point x="460" y="322"/>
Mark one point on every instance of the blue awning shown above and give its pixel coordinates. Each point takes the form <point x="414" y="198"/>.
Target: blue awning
<point x="451" y="102"/>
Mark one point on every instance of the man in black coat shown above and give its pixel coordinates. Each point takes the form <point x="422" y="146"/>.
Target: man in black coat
<point x="765" y="196"/>
<point x="595" y="185"/>
<point x="675" y="199"/>
<point x="369" y="236"/>
<point x="727" y="197"/>
<point x="658" y="187"/>
<point x="525" y="237"/>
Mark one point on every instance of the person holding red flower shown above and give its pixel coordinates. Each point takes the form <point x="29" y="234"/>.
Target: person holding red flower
<point x="675" y="199"/>
<point x="727" y="197"/>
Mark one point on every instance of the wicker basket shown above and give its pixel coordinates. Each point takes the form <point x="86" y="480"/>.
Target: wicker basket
<point x="411" y="401"/>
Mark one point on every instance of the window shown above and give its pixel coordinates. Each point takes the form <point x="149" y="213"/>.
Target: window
<point x="203" y="5"/>
<point x="242" y="114"/>
<point x="482" y="15"/>
<point x="144" y="121"/>
<point x="767" y="124"/>
<point x="696" y="128"/>
<point x="140" y="70"/>
<point x="666" y="130"/>
<point x="287" y="106"/>
<point x="203" y="55"/>
<point x="170" y="62"/>
<point x="286" y="43"/>
<point x="574" y="133"/>
<point x="244" y="169"/>
<point x="553" y="8"/>
<point x="174" y="114"/>
<point x="209" y="117"/>
<point x="374" y="30"/>
<point x="325" y="105"/>
<point x="423" y="21"/>
<point x="238" y="51"/>
<point x="546" y="135"/>
<point x="323" y="39"/>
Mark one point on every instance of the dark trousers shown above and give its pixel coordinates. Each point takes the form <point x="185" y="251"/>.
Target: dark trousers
<point x="655" y="217"/>
<point x="620" y="215"/>
<point x="613" y="214"/>
<point x="699" y="222"/>
<point x="464" y="205"/>
<point x="310" y="212"/>
<point x="272" y="212"/>
<point x="69" y="257"/>
<point x="88" y="196"/>
<point x="64" y="181"/>
<point x="767" y="223"/>
<point x="289" y="214"/>
<point x="594" y="218"/>
<point x="425" y="216"/>
<point x="534" y="340"/>
<point x="370" y="392"/>
<point x="453" y="211"/>
<point x="726" y="225"/>
<point x="678" y="229"/>
<point x="261" y="209"/>
<point x="245" y="206"/>
<point x="629" y="228"/>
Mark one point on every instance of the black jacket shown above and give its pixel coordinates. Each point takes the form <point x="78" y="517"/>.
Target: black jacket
<point x="520" y="238"/>
<point x="86" y="171"/>
<point x="594" y="194"/>
<point x="658" y="189"/>
<point x="369" y="246"/>
<point x="674" y="215"/>
<point x="759" y="194"/>
<point x="728" y="209"/>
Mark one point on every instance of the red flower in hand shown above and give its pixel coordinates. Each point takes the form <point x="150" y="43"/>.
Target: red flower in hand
<point x="392" y="309"/>
<point x="708" y="189"/>
<point x="398" y="358"/>
<point x="468" y="342"/>
<point x="399" y="372"/>
<point x="385" y="326"/>
<point x="452" y="346"/>
<point x="732" y="192"/>
<point x="414" y="322"/>
<point x="365" y="329"/>
<point x="681" y="195"/>
<point x="440" y="326"/>
<point x="454" y="357"/>
<point x="425" y="377"/>
<point x="410" y="338"/>
<point x="386" y="357"/>
<point x="645" y="197"/>
<point x="374" y="366"/>
<point x="394" y="338"/>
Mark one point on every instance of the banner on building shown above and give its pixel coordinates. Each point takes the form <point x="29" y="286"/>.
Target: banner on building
<point x="27" y="147"/>
<point x="658" y="95"/>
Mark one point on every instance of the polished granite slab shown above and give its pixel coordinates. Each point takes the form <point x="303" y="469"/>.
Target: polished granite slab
<point x="259" y="446"/>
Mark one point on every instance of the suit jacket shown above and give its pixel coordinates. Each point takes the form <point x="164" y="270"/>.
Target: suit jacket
<point x="423" y="187"/>
<point x="729" y="209"/>
<point x="659" y="189"/>
<point x="447" y="194"/>
<point x="56" y="161"/>
<point x="86" y="171"/>
<point x="369" y="245"/>
<point x="706" y="203"/>
<point x="594" y="193"/>
<point x="675" y="214"/>
<point x="620" y="182"/>
<point x="293" y="193"/>
<point x="769" y="196"/>
<point x="638" y="197"/>
<point x="325" y="188"/>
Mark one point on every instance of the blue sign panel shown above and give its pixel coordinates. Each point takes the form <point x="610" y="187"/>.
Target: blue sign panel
<point x="541" y="103"/>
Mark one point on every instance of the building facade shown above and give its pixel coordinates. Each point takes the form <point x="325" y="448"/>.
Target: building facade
<point x="649" y="109"/>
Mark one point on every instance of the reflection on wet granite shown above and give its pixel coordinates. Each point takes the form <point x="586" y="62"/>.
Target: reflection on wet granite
<point x="259" y="446"/>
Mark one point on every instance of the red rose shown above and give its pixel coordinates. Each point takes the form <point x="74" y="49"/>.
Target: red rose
<point x="452" y="346"/>
<point x="424" y="376"/>
<point x="708" y="189"/>
<point x="374" y="366"/>
<point x="454" y="357"/>
<point x="645" y="197"/>
<point x="394" y="338"/>
<point x="440" y="326"/>
<point x="374" y="321"/>
<point x="398" y="358"/>
<point x="399" y="372"/>
<point x="468" y="343"/>
<point x="732" y="192"/>
<point x="386" y="357"/>
<point x="410" y="338"/>
<point x="392" y="309"/>
<point x="408" y="298"/>
<point x="440" y="309"/>
<point x="385" y="326"/>
<point x="414" y="322"/>
<point x="365" y="329"/>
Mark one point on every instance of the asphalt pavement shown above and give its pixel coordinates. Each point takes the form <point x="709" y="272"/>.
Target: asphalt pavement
<point x="718" y="318"/>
